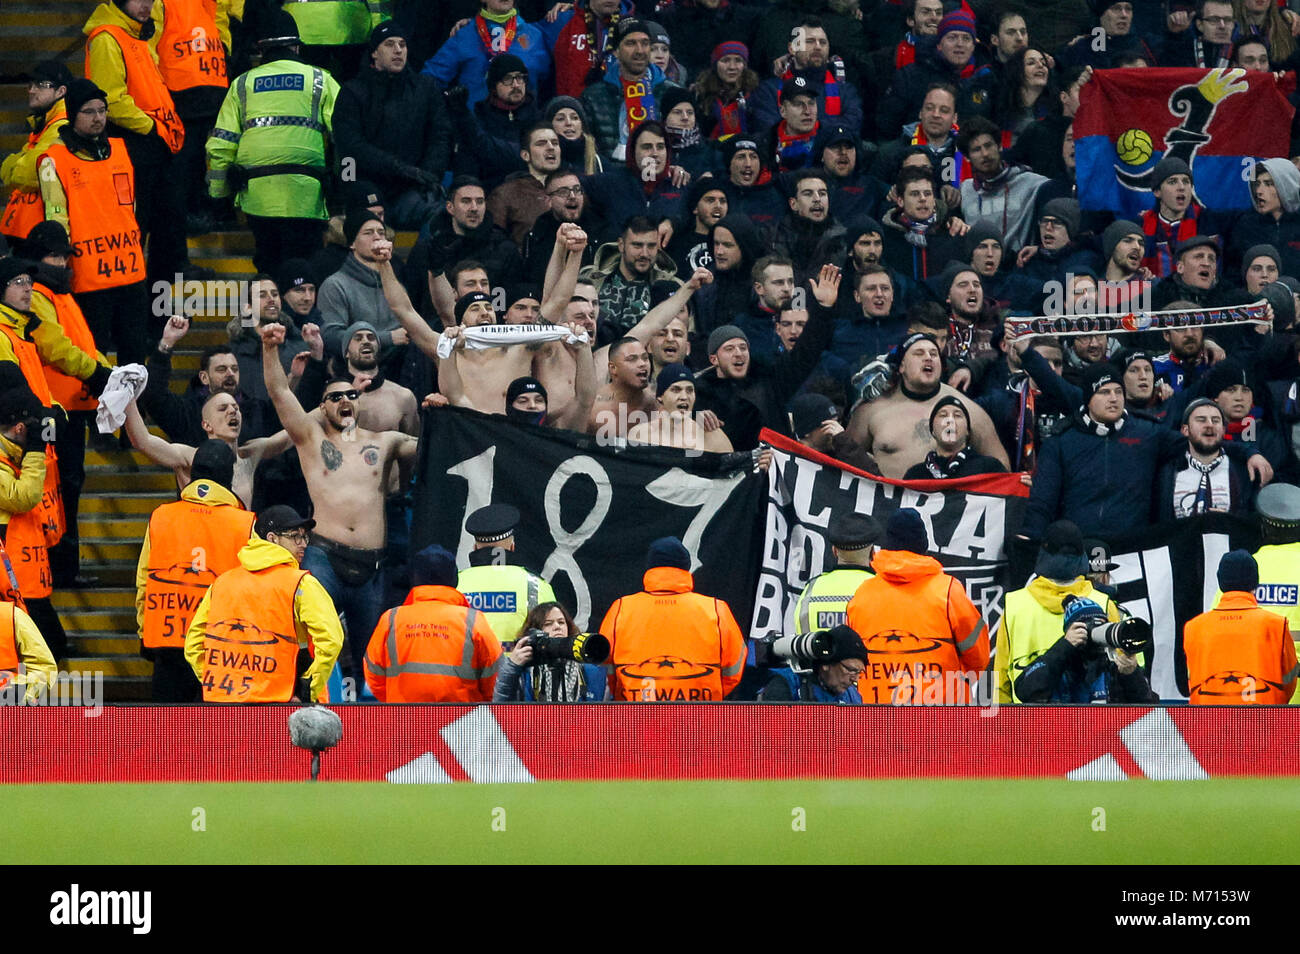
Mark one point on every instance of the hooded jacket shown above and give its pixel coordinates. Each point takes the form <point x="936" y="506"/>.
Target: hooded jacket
<point x="316" y="621"/>
<point x="1006" y="201"/>
<point x="809" y="244"/>
<point x="727" y="296"/>
<point x="1253" y="228"/>
<point x="624" y="303"/>
<point x="354" y="293"/>
<point x="917" y="624"/>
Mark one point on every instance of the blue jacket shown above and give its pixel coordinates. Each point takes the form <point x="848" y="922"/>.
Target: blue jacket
<point x="462" y="61"/>
<point x="1105" y="485"/>
<point x="849" y="697"/>
<point x="618" y="194"/>
<point x="765" y="112"/>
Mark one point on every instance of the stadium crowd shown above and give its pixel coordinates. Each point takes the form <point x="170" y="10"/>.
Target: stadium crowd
<point x="663" y="222"/>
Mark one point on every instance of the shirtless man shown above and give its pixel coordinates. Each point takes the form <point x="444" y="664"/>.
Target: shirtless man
<point x="673" y="423"/>
<point x="385" y="406"/>
<point x="895" y="427"/>
<point x="347" y="470"/>
<point x="671" y="344"/>
<point x="626" y="398"/>
<point x="221" y="419"/>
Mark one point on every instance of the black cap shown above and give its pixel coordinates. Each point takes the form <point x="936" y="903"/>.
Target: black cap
<point x="521" y="290"/>
<point x="356" y="219"/>
<point x="669" y="375"/>
<point x="1095" y="376"/>
<point x="1238" y="572"/>
<point x="853" y="531"/>
<point x="503" y="65"/>
<point x="811" y="411"/>
<point x="215" y="461"/>
<point x="49" y="71"/>
<point x="363" y="194"/>
<point x="80" y="92"/>
<point x="280" y="519"/>
<point x="467" y="299"/>
<point x="667" y="551"/>
<point x="906" y="531"/>
<point x="1099" y="556"/>
<point x="19" y="404"/>
<point x="845" y="644"/>
<point x="949" y="400"/>
<point x="294" y="273"/>
<point x="626" y="27"/>
<point x="45" y="238"/>
<point x="524" y="385"/>
<point x="11" y="268"/>
<point x="1196" y="241"/>
<point x="384" y="31"/>
<point x="279" y="29"/>
<point x="799" y="86"/>
<point x="493" y="523"/>
<point x="1063" y="537"/>
<point x="434" y="566"/>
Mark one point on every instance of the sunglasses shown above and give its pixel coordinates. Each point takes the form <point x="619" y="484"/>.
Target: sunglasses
<point x="335" y="396"/>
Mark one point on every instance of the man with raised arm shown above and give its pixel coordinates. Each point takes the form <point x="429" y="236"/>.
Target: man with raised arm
<point x="346" y="468"/>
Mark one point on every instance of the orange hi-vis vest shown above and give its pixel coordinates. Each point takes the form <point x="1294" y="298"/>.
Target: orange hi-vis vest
<point x="68" y="392"/>
<point x="50" y="510"/>
<point x="189" y="47"/>
<point x="924" y="638"/>
<point x="105" y="237"/>
<point x="669" y="644"/>
<point x="436" y="648"/>
<point x="1239" y="654"/>
<point x="25" y="209"/>
<point x="250" y="643"/>
<point x="190" y="545"/>
<point x="9" y="656"/>
<point x="144" y="84"/>
<point x="25" y="543"/>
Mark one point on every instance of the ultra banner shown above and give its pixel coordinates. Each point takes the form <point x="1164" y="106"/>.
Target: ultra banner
<point x="1165" y="574"/>
<point x="589" y="512"/>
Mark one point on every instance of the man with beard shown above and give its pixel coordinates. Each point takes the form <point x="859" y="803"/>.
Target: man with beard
<point x="810" y="59"/>
<point x="750" y="189"/>
<point x="384" y="405"/>
<point x="998" y="193"/>
<point x="566" y="202"/>
<point x="297" y="284"/>
<point x="625" y="398"/>
<point x="624" y="273"/>
<point x="493" y="124"/>
<point x="952" y="456"/>
<point x="221" y="420"/>
<point x="866" y="238"/>
<point x="742" y="396"/>
<point x="462" y="231"/>
<point x="773" y="281"/>
<point x="347" y="470"/>
<point x="516" y="203"/>
<point x="627" y="92"/>
<point x="671" y="423"/>
<point x="354" y="293"/>
<point x="1188" y="357"/>
<point x="970" y="350"/>
<point x="263" y="308"/>
<point x="704" y="207"/>
<point x="808" y="234"/>
<point x="895" y="426"/>
<point x="870" y="330"/>
<point x="854" y="192"/>
<point x="1204" y="479"/>
<point x="1128" y="281"/>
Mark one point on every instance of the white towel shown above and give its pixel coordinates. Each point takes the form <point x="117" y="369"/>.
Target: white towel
<point x="125" y="384"/>
<point x="482" y="337"/>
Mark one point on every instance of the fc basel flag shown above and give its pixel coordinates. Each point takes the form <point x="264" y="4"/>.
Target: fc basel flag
<point x="1217" y="121"/>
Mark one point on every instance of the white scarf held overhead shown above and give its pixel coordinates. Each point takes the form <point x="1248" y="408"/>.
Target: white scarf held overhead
<point x="482" y="337"/>
<point x="125" y="384"/>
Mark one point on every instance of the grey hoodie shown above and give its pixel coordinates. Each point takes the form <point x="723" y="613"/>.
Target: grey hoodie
<point x="354" y="293"/>
<point x="1287" y="179"/>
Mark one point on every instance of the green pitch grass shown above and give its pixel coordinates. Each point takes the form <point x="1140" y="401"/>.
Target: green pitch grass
<point x="1246" y="821"/>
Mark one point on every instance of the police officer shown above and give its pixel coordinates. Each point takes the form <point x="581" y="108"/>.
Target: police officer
<point x="333" y="31"/>
<point x="1279" y="558"/>
<point x="268" y="147"/>
<point x="496" y="586"/>
<point x="824" y="601"/>
<point x="835" y="680"/>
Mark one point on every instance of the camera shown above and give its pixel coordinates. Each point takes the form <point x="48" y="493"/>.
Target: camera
<point x="804" y="651"/>
<point x="1129" y="635"/>
<point x="584" y="648"/>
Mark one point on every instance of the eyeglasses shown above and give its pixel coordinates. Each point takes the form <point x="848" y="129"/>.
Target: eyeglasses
<point x="1050" y="220"/>
<point x="335" y="396"/>
<point x="296" y="536"/>
<point x="514" y="79"/>
<point x="566" y="192"/>
<point x="22" y="281"/>
<point x="40" y="84"/>
<point x="853" y="671"/>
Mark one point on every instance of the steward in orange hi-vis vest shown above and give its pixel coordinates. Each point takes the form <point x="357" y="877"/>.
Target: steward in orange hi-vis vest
<point x="245" y="638"/>
<point x="926" y="642"/>
<point x="22" y="479"/>
<point x="187" y="545"/>
<point x="120" y="61"/>
<point x="668" y="643"/>
<point x="1239" y="654"/>
<point x="190" y="51"/>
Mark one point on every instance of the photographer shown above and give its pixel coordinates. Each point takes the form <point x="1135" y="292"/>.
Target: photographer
<point x="833" y="678"/>
<point x="1034" y="662"/>
<point x="526" y="678"/>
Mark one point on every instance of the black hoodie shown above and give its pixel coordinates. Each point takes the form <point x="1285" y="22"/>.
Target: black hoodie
<point x="719" y="303"/>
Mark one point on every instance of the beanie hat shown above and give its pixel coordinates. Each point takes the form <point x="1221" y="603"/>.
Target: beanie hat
<point x="11" y="268"/>
<point x="567" y="102"/>
<point x="1199" y="403"/>
<point x="1061" y="556"/>
<point x="960" y="20"/>
<point x="722" y="335"/>
<point x="80" y="92"/>
<point x="433" y="566"/>
<point x="657" y="33"/>
<point x="863" y="226"/>
<point x="667" y="551"/>
<point x="729" y="48"/>
<point x="295" y="272"/>
<point x="501" y="65"/>
<point x="853" y="531"/>
<point x="386" y="30"/>
<point x="1255" y="251"/>
<point x="845" y="644"/>
<point x="949" y="400"/>
<point x="1130" y="357"/>
<point x="1196" y="241"/>
<point x="363" y="192"/>
<point x="982" y="232"/>
<point x="810" y="411"/>
<point x="670" y="375"/>
<point x="913" y="339"/>
<point x="352" y="329"/>
<point x="942" y="283"/>
<point x="1097" y="375"/>
<point x="1282" y="297"/>
<point x="671" y="97"/>
<point x="735" y="144"/>
<point x="357" y="217"/>
<point x="45" y="238"/>
<point x="18" y="403"/>
<point x="463" y="303"/>
<point x="906" y="531"/>
<point x="524" y="385"/>
<point x="1115" y="232"/>
<point x="1082" y="609"/>
<point x="1224" y="375"/>
<point x="626" y="27"/>
<point x="1166" y="167"/>
<point x="1067" y="210"/>
<point x="215" y="461"/>
<point x="1239" y="572"/>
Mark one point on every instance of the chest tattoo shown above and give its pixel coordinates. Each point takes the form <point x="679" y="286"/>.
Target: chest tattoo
<point x="331" y="455"/>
